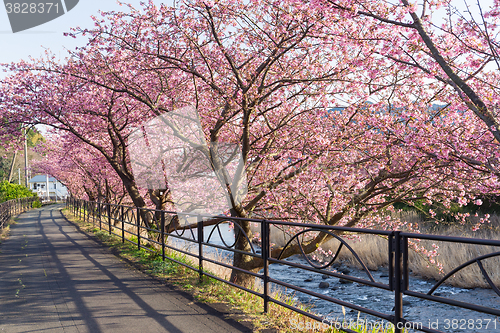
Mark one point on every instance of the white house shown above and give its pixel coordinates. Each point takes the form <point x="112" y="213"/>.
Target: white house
<point x="57" y="191"/>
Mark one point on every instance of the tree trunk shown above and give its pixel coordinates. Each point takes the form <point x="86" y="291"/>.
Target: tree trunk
<point x="242" y="260"/>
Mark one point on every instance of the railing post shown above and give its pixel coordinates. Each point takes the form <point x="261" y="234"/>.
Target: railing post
<point x="109" y="218"/>
<point x="200" y="247"/>
<point x="162" y="231"/>
<point x="398" y="284"/>
<point x="100" y="215"/>
<point x="406" y="278"/>
<point x="138" y="228"/>
<point x="123" y="224"/>
<point x="265" y="234"/>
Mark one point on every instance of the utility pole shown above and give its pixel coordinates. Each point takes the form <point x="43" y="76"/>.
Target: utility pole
<point x="47" y="184"/>
<point x="11" y="173"/>
<point x="19" y="175"/>
<point x="26" y="157"/>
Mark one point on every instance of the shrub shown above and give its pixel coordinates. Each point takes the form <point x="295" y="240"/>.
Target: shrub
<point x="10" y="191"/>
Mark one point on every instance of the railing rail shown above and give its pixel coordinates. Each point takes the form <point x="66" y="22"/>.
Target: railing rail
<point x="13" y="207"/>
<point x="125" y="220"/>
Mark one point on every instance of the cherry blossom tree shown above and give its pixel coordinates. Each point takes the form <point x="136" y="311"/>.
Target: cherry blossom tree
<point x="455" y="45"/>
<point x="83" y="170"/>
<point x="258" y="74"/>
<point x="96" y="117"/>
<point x="266" y="76"/>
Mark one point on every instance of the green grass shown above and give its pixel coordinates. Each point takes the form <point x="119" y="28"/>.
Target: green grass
<point x="209" y="290"/>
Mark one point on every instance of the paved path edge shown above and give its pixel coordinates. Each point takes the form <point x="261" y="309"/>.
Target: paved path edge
<point x="221" y="310"/>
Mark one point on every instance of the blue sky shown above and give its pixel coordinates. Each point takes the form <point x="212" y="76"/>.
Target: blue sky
<point x="33" y="42"/>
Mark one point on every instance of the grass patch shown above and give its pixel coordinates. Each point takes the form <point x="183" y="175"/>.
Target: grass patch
<point x="243" y="306"/>
<point x="5" y="231"/>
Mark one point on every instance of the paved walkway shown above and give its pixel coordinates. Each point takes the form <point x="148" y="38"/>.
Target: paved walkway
<point x="55" y="279"/>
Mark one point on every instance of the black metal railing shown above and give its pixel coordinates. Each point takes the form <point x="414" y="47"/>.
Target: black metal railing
<point x="14" y="207"/>
<point x="125" y="221"/>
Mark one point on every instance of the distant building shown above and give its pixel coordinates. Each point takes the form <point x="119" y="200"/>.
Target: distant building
<point x="57" y="191"/>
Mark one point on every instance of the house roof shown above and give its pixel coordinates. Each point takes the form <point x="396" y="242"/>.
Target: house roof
<point x="42" y="179"/>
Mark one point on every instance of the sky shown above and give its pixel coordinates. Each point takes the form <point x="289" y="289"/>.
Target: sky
<point x="33" y="42"/>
